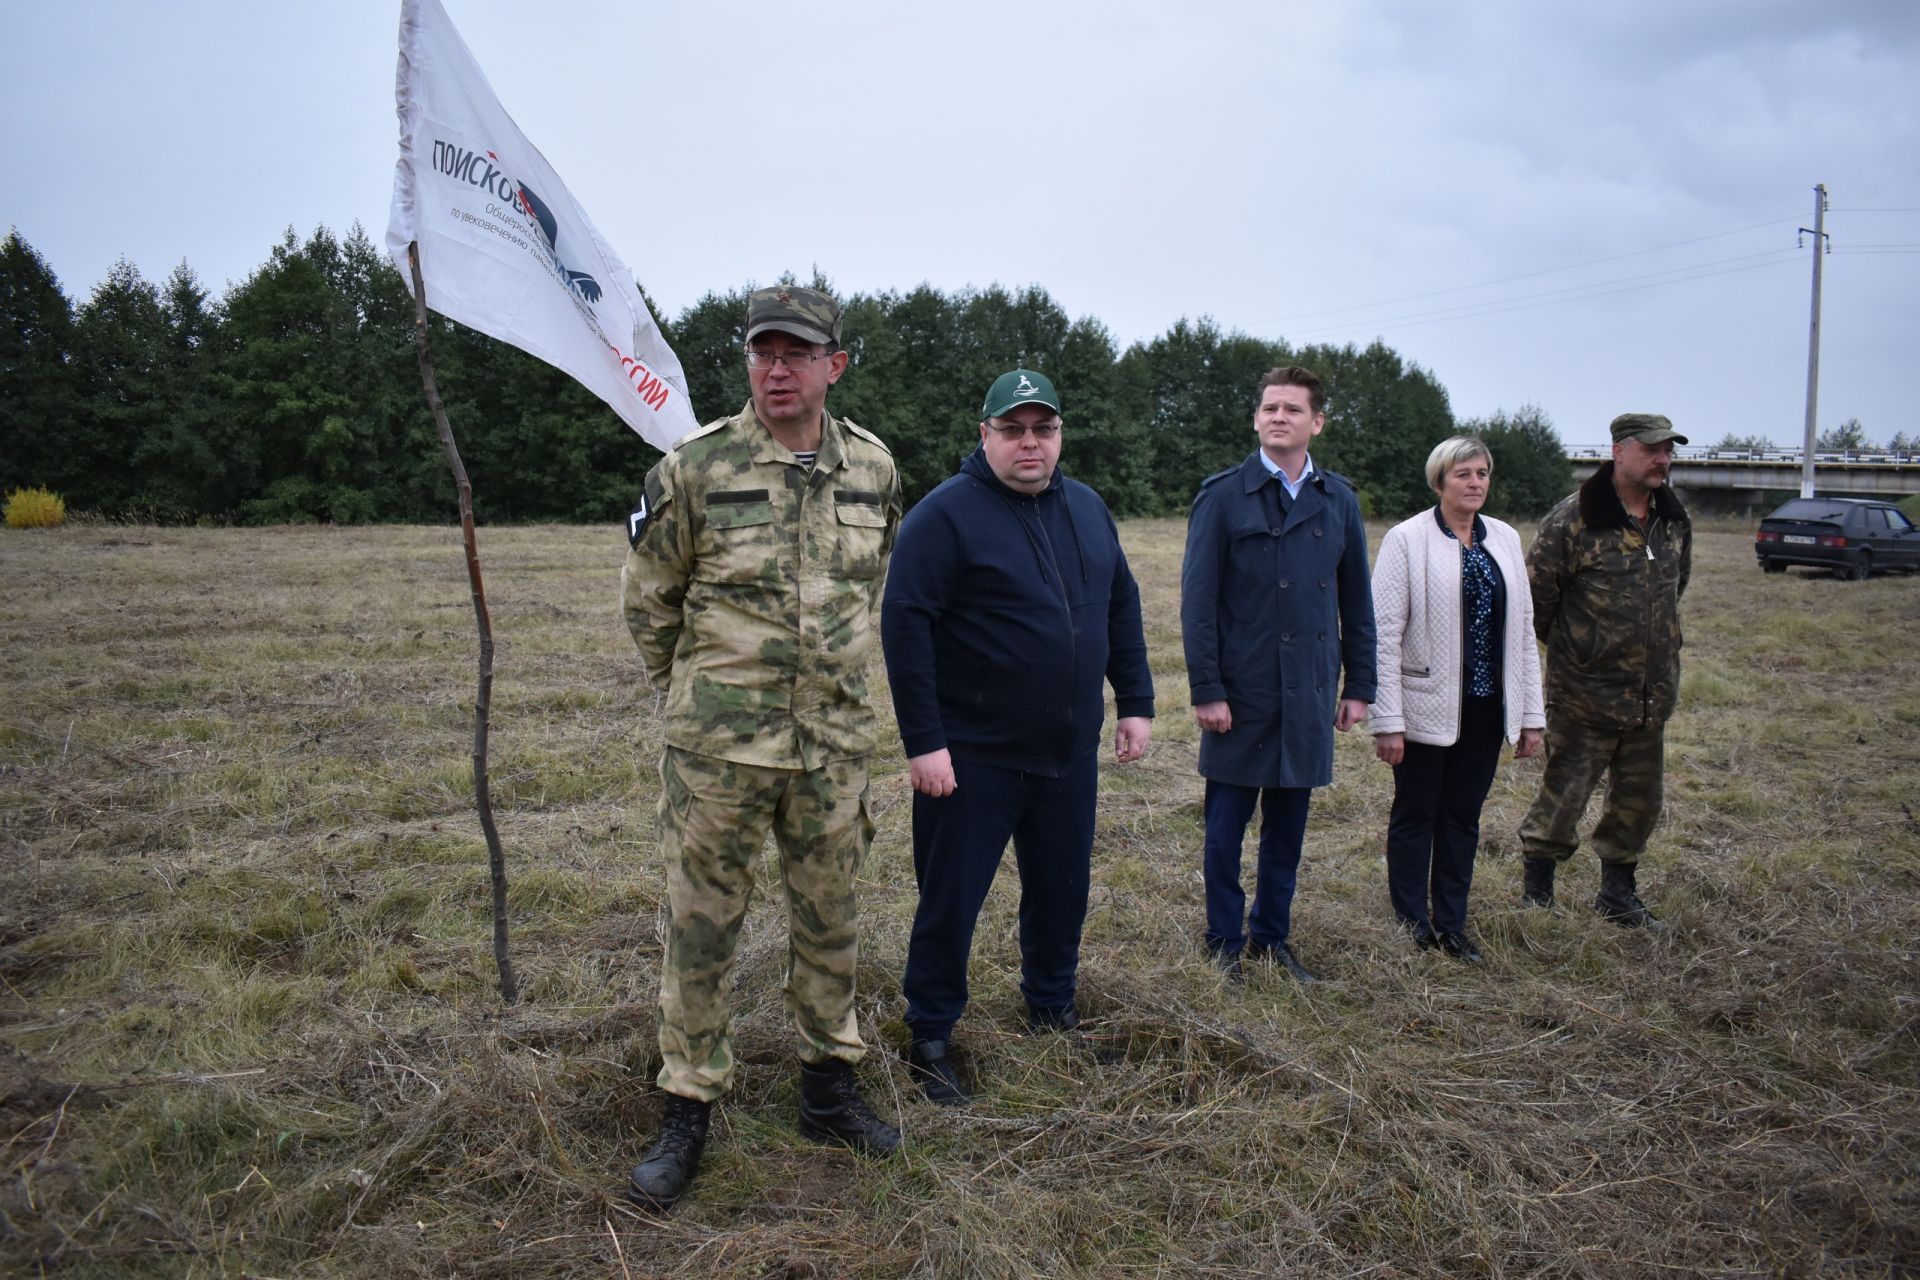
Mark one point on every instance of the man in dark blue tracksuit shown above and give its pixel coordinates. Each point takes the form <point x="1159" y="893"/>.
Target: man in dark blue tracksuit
<point x="1009" y="602"/>
<point x="1275" y="608"/>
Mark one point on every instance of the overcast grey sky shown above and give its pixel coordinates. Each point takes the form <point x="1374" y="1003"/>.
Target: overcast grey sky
<point x="1417" y="172"/>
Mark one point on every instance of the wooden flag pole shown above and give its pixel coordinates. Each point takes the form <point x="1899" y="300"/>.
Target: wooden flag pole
<point x="482" y="798"/>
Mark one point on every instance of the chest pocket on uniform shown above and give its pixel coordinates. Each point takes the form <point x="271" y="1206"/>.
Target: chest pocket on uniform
<point x="738" y="545"/>
<point x="860" y="520"/>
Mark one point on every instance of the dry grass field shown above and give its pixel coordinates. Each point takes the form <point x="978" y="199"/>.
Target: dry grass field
<point x="249" y="1025"/>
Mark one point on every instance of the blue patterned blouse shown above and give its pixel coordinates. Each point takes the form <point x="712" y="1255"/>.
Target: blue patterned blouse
<point x="1482" y="592"/>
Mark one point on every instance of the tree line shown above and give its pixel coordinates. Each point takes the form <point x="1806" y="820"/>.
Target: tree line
<point x="1849" y="437"/>
<point x="296" y="397"/>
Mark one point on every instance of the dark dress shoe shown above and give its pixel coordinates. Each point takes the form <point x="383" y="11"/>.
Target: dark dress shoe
<point x="1423" y="936"/>
<point x="1460" y="947"/>
<point x="1064" y="1019"/>
<point x="934" y="1071"/>
<point x="1066" y="1022"/>
<point x="1282" y="954"/>
<point x="1228" y="963"/>
<point x="832" y="1110"/>
<point x="660" y="1178"/>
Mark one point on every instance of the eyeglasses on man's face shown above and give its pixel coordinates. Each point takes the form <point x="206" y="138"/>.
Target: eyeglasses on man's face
<point x="1014" y="431"/>
<point x="796" y="360"/>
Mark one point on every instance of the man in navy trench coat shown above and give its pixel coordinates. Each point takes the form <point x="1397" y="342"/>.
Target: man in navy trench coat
<point x="1275" y="607"/>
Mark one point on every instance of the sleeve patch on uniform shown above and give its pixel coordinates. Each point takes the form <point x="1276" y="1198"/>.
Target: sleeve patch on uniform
<point x="637" y="523"/>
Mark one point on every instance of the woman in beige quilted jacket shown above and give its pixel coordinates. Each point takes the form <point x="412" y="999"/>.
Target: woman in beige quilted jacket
<point x="1459" y="672"/>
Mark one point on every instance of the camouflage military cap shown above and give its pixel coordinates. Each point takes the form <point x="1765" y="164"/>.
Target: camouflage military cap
<point x="1647" y="428"/>
<point x="805" y="313"/>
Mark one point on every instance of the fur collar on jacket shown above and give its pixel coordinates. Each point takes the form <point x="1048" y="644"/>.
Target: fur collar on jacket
<point x="1601" y="508"/>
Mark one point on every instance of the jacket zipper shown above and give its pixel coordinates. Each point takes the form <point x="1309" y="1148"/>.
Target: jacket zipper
<point x="1059" y="576"/>
<point x="1646" y="622"/>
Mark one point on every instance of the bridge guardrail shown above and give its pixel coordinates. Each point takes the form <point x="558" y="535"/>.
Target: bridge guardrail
<point x="1696" y="453"/>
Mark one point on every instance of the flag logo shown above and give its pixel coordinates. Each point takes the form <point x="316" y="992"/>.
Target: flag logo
<point x="505" y="248"/>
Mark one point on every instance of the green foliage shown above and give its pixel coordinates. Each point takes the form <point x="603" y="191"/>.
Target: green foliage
<point x="296" y="397"/>
<point x="1198" y="388"/>
<point x="120" y="352"/>
<point x="1849" y="436"/>
<point x="1383" y="418"/>
<point x="1746" y="444"/>
<point x="36" y="344"/>
<point x="35" y="509"/>
<point x="1530" y="467"/>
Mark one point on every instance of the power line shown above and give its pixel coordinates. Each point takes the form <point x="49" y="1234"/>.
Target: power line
<point x="1526" y="275"/>
<point x="1476" y="311"/>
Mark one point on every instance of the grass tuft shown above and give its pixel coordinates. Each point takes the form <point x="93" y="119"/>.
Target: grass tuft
<point x="252" y="1026"/>
<point x="37" y="508"/>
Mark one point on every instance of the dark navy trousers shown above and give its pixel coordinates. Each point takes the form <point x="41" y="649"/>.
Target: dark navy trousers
<point x="1283" y="825"/>
<point x="958" y="841"/>
<point x="1434" y="829"/>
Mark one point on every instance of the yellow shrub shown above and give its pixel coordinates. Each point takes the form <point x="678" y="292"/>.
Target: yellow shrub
<point x="35" y="509"/>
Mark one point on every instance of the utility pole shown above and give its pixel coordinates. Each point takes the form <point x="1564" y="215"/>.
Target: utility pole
<point x="1819" y="232"/>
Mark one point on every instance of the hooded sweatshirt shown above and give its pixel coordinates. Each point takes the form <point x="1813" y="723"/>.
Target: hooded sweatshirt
<point x="1004" y="612"/>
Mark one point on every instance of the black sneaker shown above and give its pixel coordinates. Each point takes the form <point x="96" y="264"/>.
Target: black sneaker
<point x="1458" y="945"/>
<point x="934" y="1072"/>
<point x="660" y="1178"/>
<point x="832" y="1110"/>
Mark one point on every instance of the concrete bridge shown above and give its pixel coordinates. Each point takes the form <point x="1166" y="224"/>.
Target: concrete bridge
<point x="1736" y="477"/>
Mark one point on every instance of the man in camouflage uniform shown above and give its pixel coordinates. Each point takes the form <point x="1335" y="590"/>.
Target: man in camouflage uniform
<point x="752" y="588"/>
<point x="1608" y="568"/>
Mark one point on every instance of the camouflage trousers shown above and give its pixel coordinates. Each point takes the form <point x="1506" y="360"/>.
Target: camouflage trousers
<point x="714" y="820"/>
<point x="1634" y="763"/>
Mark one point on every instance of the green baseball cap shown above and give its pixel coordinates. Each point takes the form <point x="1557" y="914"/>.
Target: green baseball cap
<point x="1647" y="428"/>
<point x="805" y="313"/>
<point x="1017" y="387"/>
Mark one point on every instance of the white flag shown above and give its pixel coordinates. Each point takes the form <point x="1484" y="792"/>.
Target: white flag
<point x="503" y="246"/>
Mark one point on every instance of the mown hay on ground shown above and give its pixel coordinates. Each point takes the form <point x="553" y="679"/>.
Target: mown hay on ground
<point x="250" y="1024"/>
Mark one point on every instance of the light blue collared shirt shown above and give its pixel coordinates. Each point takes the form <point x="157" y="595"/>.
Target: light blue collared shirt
<point x="1273" y="468"/>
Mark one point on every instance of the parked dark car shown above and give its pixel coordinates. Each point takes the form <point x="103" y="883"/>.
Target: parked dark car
<point x="1851" y="536"/>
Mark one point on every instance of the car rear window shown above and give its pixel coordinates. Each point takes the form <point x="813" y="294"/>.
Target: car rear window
<point x="1810" y="509"/>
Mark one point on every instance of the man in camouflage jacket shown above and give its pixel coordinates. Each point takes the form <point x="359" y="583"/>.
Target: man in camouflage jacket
<point x="1608" y="568"/>
<point x="752" y="588"/>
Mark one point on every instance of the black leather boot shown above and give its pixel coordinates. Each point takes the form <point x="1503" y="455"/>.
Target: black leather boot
<point x="1617" y="900"/>
<point x="670" y="1164"/>
<point x="935" y="1072"/>
<point x="1538" y="889"/>
<point x="832" y="1110"/>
